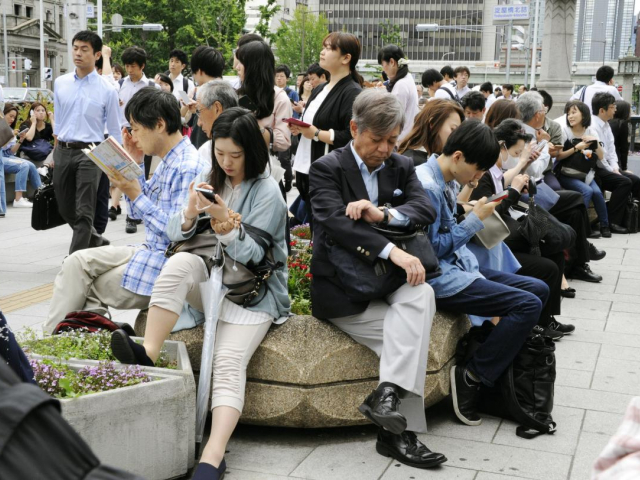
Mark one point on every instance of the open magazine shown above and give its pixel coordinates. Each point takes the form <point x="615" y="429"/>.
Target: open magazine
<point x="111" y="155"/>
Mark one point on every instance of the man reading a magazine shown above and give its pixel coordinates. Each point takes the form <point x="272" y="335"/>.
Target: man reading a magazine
<point x="123" y="277"/>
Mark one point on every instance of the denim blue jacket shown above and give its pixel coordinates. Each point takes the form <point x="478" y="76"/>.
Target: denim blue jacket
<point x="449" y="239"/>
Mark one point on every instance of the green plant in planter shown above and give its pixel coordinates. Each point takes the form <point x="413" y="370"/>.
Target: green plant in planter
<point x="299" y="281"/>
<point x="61" y="381"/>
<point x="78" y="344"/>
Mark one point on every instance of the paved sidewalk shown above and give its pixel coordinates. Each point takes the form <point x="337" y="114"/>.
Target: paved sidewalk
<point x="598" y="373"/>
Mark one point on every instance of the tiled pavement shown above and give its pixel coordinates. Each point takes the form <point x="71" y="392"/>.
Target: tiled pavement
<point x="598" y="373"/>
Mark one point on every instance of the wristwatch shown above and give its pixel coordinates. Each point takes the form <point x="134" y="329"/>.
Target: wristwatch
<point x="385" y="219"/>
<point x="316" y="136"/>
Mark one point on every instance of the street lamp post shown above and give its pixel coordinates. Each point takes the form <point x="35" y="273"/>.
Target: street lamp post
<point x="450" y="53"/>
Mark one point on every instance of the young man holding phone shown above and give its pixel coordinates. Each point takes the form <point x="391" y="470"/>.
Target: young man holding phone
<point x="464" y="287"/>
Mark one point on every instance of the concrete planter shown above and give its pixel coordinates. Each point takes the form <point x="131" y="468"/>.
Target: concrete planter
<point x="146" y="429"/>
<point x="147" y="419"/>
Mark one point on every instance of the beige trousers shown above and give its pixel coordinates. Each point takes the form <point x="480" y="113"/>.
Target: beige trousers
<point x="398" y="330"/>
<point x="90" y="280"/>
<point x="180" y="281"/>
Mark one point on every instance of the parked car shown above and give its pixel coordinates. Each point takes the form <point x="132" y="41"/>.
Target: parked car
<point x="18" y="95"/>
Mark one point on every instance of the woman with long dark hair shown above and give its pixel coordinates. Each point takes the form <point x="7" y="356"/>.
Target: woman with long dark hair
<point x="431" y="129"/>
<point x="258" y="92"/>
<point x="37" y="142"/>
<point x="401" y="83"/>
<point x="328" y="110"/>
<point x="24" y="169"/>
<point x="245" y="194"/>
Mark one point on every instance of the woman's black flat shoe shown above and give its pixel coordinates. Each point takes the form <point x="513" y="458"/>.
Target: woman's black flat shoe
<point x="568" y="292"/>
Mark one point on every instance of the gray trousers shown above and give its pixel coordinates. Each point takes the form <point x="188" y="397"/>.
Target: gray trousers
<point x="75" y="181"/>
<point x="398" y="330"/>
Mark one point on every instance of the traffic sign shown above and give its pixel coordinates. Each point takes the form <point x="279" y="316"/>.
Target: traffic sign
<point x="27" y="64"/>
<point x="511" y="12"/>
<point x="620" y="88"/>
<point x="47" y="73"/>
<point x="13" y="64"/>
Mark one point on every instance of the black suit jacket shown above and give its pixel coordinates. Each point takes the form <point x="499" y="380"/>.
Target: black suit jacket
<point x="335" y="181"/>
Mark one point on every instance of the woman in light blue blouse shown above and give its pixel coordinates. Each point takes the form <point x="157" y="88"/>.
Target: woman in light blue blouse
<point x="245" y="194"/>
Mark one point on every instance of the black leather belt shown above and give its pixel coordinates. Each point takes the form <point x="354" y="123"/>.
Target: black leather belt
<point x="76" y="145"/>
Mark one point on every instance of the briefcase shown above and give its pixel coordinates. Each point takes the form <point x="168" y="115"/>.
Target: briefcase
<point x="45" y="213"/>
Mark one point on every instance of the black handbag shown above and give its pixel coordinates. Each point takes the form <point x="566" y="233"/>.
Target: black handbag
<point x="243" y="281"/>
<point x="45" y="214"/>
<point x="525" y="391"/>
<point x="542" y="230"/>
<point x="37" y="150"/>
<point x="577" y="165"/>
<point x="631" y="213"/>
<point x="365" y="282"/>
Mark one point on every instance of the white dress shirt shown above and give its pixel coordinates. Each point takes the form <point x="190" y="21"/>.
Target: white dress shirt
<point x="603" y="131"/>
<point x="178" y="87"/>
<point x="440" y="92"/>
<point x="128" y="89"/>
<point x="591" y="90"/>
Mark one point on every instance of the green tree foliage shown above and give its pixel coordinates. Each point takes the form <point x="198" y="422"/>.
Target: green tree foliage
<point x="289" y="39"/>
<point x="267" y="12"/>
<point x="187" y="24"/>
<point x="391" y="34"/>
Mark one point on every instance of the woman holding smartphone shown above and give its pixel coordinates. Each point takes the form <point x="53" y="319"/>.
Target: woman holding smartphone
<point x="245" y="194"/>
<point x="24" y="169"/>
<point x="328" y="110"/>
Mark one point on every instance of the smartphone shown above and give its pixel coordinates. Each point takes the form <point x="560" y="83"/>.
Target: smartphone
<point x="541" y="145"/>
<point x="26" y="129"/>
<point x="208" y="194"/>
<point x="498" y="196"/>
<point x="295" y="121"/>
<point x="184" y="97"/>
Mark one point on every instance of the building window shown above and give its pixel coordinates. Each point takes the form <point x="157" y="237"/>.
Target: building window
<point x="49" y="17"/>
<point x="29" y="11"/>
<point x="17" y="10"/>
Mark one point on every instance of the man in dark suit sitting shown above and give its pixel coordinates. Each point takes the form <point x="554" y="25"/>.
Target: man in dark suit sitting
<point x="351" y="188"/>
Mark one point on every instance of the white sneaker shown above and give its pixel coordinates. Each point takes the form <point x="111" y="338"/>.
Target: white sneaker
<point x="43" y="171"/>
<point x="22" y="203"/>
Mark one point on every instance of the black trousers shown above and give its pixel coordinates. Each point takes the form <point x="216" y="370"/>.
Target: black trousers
<point x="620" y="188"/>
<point x="302" y="184"/>
<point x="635" y="184"/>
<point x="550" y="271"/>
<point x="571" y="211"/>
<point x="101" y="218"/>
<point x="75" y="182"/>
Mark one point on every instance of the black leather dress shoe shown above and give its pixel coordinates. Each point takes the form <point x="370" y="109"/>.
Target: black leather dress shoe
<point x="127" y="351"/>
<point x="407" y="449"/>
<point x="584" y="273"/>
<point x="465" y="395"/>
<point x="606" y="232"/>
<point x="381" y="407"/>
<point x="618" y="229"/>
<point x="595" y="254"/>
<point x="594" y="234"/>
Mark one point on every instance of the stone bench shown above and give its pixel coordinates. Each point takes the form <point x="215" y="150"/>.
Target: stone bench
<point x="308" y="374"/>
<point x="10" y="188"/>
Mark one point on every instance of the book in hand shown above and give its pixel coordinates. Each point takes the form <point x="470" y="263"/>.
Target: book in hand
<point x="110" y="155"/>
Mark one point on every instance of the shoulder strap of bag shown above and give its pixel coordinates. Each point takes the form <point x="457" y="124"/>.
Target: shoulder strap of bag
<point x="121" y="81"/>
<point x="185" y="84"/>
<point x="262" y="238"/>
<point x="584" y="91"/>
<point x="152" y="83"/>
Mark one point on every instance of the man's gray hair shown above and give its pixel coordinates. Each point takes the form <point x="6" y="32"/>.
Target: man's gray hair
<point x="378" y="111"/>
<point x="217" y="91"/>
<point x="529" y="104"/>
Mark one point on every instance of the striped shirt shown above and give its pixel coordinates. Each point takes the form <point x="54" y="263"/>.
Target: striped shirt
<point x="161" y="198"/>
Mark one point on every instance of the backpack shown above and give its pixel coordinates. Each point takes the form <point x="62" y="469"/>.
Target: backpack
<point x="453" y="97"/>
<point x="631" y="213"/>
<point x="31" y="426"/>
<point x="151" y="83"/>
<point x="524" y="392"/>
<point x="90" y="321"/>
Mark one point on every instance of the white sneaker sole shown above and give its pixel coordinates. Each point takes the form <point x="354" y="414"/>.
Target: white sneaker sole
<point x="462" y="418"/>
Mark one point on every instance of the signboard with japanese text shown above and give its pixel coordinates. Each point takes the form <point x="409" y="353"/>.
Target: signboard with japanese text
<point x="503" y="13"/>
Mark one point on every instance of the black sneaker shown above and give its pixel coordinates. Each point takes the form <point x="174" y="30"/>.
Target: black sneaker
<point x="113" y="213"/>
<point x="466" y="395"/>
<point x="565" y="328"/>
<point x="606" y="232"/>
<point x="548" y="332"/>
<point x="127" y="351"/>
<point x="131" y="227"/>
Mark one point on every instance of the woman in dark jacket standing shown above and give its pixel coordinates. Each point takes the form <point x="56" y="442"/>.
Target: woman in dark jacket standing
<point x="328" y="110"/>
